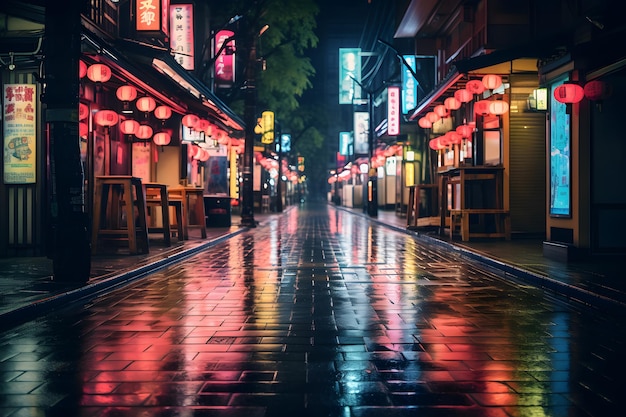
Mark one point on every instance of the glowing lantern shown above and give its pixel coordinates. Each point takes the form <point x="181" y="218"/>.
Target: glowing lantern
<point x="569" y="93"/>
<point x="482" y="107"/>
<point x="465" y="131"/>
<point x="190" y="120"/>
<point x="99" y="73"/>
<point x="163" y="112"/>
<point x="145" y="104"/>
<point x="492" y="81"/>
<point x="82" y="68"/>
<point x="498" y="107"/>
<point x="597" y="90"/>
<point x="424" y="123"/>
<point x="129" y="126"/>
<point x="83" y="129"/>
<point x="162" y="139"/>
<point x="202" y="125"/>
<point x="83" y="111"/>
<point x="441" y="111"/>
<point x="126" y="93"/>
<point x="432" y="117"/>
<point x="475" y="86"/>
<point x="463" y="95"/>
<point x="144" y="132"/>
<point x="106" y="118"/>
<point x="454" y="138"/>
<point x="452" y="103"/>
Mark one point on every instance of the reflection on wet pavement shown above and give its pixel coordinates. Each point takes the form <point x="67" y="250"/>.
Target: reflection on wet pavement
<point x="318" y="313"/>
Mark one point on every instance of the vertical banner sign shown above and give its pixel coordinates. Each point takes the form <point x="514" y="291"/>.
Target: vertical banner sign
<point x="181" y="41"/>
<point x="349" y="70"/>
<point x="267" y="126"/>
<point x="560" y="145"/>
<point x="19" y="105"/>
<point x="225" y="61"/>
<point x="393" y="111"/>
<point x="361" y="132"/>
<point x="148" y="15"/>
<point x="345" y="143"/>
<point x="409" y="85"/>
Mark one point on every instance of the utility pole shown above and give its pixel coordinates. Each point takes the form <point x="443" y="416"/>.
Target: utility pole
<point x="69" y="243"/>
<point x="247" y="201"/>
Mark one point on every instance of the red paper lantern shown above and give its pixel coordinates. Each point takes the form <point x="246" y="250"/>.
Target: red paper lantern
<point x="424" y="123"/>
<point x="463" y="95"/>
<point x="432" y="117"/>
<point x="82" y="68"/>
<point x="163" y="112"/>
<point x="126" y="93"/>
<point x="441" y="111"/>
<point x="144" y="132"/>
<point x="498" y="107"/>
<point x="452" y="103"/>
<point x="475" y="86"/>
<point x="465" y="131"/>
<point x="597" y="90"/>
<point x="129" y="126"/>
<point x="83" y="129"/>
<point x="435" y="144"/>
<point x="99" y="73"/>
<point x="482" y="107"/>
<point x="202" y="125"/>
<point x="492" y="81"/>
<point x="162" y="139"/>
<point x="569" y="93"/>
<point x="145" y="104"/>
<point x="83" y="111"/>
<point x="106" y="118"/>
<point x="190" y="120"/>
<point x="454" y="138"/>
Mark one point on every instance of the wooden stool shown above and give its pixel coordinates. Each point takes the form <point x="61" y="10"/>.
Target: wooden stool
<point x="156" y="197"/>
<point x="192" y="200"/>
<point x="125" y="191"/>
<point x="178" y="215"/>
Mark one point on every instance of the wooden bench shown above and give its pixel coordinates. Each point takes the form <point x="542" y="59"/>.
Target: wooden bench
<point x="501" y="223"/>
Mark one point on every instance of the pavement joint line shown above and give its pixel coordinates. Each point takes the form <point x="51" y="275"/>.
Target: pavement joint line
<point x="571" y="292"/>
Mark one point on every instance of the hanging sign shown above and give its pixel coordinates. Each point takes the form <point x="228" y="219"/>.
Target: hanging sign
<point x="20" y="133"/>
<point x="181" y="41"/>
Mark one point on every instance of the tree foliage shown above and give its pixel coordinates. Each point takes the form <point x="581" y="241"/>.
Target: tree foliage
<point x="288" y="71"/>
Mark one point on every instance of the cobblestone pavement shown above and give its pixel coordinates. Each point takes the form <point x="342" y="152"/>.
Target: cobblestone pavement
<point x="317" y="313"/>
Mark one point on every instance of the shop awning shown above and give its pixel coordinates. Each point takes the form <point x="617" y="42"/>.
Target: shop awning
<point x="154" y="70"/>
<point x="510" y="61"/>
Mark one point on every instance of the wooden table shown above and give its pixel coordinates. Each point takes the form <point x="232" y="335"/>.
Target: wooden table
<point x="126" y="192"/>
<point x="193" y="208"/>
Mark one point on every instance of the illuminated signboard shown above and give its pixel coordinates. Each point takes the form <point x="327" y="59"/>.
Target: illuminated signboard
<point x="225" y="61"/>
<point x="409" y="85"/>
<point x="151" y="16"/>
<point x="361" y="132"/>
<point x="560" y="174"/>
<point x="349" y="70"/>
<point x="181" y="41"/>
<point x="346" y="143"/>
<point x="393" y="111"/>
<point x="19" y="147"/>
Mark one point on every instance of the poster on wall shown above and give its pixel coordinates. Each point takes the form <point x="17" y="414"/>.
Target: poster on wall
<point x="560" y="186"/>
<point x="216" y="175"/>
<point x="20" y="133"/>
<point x="141" y="161"/>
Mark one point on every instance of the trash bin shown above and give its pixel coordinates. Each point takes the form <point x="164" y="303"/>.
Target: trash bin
<point x="217" y="210"/>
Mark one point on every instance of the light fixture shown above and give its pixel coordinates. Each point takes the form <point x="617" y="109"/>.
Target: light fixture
<point x="498" y="107"/>
<point x="106" y="118"/>
<point x="597" y="90"/>
<point x="432" y="117"/>
<point x="569" y="93"/>
<point x="482" y="107"/>
<point x="82" y="68"/>
<point x="465" y="130"/>
<point x="463" y="95"/>
<point x="441" y="111"/>
<point x="83" y="111"/>
<point x="99" y="73"/>
<point x="475" y="86"/>
<point x="452" y="103"/>
<point x="145" y="104"/>
<point x="163" y="113"/>
<point x="492" y="81"/>
<point x="129" y="126"/>
<point x="424" y="123"/>
<point x="144" y="132"/>
<point x="162" y="138"/>
<point x="126" y="94"/>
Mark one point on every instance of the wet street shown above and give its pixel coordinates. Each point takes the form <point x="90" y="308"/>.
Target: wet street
<point x="317" y="313"/>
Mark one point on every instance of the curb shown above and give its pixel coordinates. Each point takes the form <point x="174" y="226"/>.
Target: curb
<point x="89" y="291"/>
